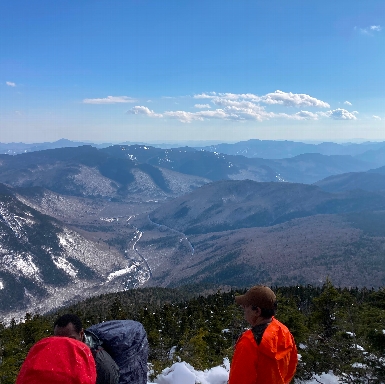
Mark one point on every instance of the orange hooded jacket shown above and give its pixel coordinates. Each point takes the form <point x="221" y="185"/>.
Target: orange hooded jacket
<point x="273" y="361"/>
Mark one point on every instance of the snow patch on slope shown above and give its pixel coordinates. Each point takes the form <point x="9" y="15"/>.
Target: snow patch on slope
<point x="180" y="183"/>
<point x="93" y="183"/>
<point x="65" y="265"/>
<point x="121" y="272"/>
<point x="144" y="185"/>
<point x="79" y="248"/>
<point x="14" y="222"/>
<point x="21" y="264"/>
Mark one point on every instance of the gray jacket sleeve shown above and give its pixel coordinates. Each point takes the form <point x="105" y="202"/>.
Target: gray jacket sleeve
<point x="107" y="372"/>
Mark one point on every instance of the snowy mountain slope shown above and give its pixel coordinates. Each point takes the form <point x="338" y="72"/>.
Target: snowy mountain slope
<point x="112" y="225"/>
<point x="40" y="257"/>
<point x="88" y="172"/>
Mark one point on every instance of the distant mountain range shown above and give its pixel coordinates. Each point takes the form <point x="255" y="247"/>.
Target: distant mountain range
<point x="90" y="172"/>
<point x="272" y="149"/>
<point x="121" y="170"/>
<point x="78" y="221"/>
<point x="372" y="180"/>
<point x="306" y="168"/>
<point x="266" y="149"/>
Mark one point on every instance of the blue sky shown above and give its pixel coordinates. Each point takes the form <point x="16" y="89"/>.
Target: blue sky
<point x="163" y="71"/>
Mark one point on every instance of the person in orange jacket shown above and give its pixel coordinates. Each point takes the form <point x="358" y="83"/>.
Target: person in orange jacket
<point x="266" y="353"/>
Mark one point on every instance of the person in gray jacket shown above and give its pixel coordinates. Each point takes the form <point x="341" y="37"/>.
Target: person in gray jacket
<point x="69" y="325"/>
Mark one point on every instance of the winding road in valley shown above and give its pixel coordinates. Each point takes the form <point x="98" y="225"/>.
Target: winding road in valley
<point x="184" y="237"/>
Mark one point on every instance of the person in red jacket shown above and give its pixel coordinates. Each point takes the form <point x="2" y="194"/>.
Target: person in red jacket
<point x="266" y="353"/>
<point x="58" y="360"/>
<point x="70" y="325"/>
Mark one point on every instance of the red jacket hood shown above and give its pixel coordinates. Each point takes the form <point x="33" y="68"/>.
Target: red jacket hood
<point x="55" y="360"/>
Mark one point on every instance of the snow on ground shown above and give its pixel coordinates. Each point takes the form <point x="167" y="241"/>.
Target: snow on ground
<point x="183" y="373"/>
<point x="325" y="378"/>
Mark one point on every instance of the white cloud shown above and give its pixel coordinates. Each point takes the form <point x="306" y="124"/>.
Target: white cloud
<point x="376" y="28"/>
<point x="229" y="96"/>
<point x="201" y="106"/>
<point x="242" y="113"/>
<point x="277" y="97"/>
<point x="370" y="29"/>
<point x="10" y="84"/>
<point x="228" y="113"/>
<point x="347" y="103"/>
<point x="216" y="114"/>
<point x="341" y="114"/>
<point x="247" y="106"/>
<point x="184" y="117"/>
<point x="303" y="115"/>
<point x="188" y="117"/>
<point x="209" y="95"/>
<point x="293" y="100"/>
<point x="110" y="100"/>
<point x="223" y="102"/>
<point x="141" y="110"/>
<point x="306" y="115"/>
<point x="237" y="96"/>
<point x="376" y="117"/>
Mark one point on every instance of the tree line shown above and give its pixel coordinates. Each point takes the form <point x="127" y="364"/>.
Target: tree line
<point x="336" y="329"/>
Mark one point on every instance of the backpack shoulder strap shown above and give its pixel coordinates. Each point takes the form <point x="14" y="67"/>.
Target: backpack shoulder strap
<point x="92" y="340"/>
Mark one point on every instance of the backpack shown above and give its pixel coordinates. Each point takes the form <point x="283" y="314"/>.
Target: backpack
<point x="126" y="342"/>
<point x="107" y="371"/>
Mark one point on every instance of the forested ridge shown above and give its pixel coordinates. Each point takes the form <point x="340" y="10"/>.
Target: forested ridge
<point x="339" y="330"/>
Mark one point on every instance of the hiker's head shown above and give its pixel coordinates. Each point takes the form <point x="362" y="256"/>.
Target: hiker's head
<point x="58" y="360"/>
<point x="69" y="325"/>
<point x="259" y="299"/>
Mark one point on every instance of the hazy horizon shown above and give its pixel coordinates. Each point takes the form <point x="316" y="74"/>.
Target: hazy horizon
<point x="194" y="143"/>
